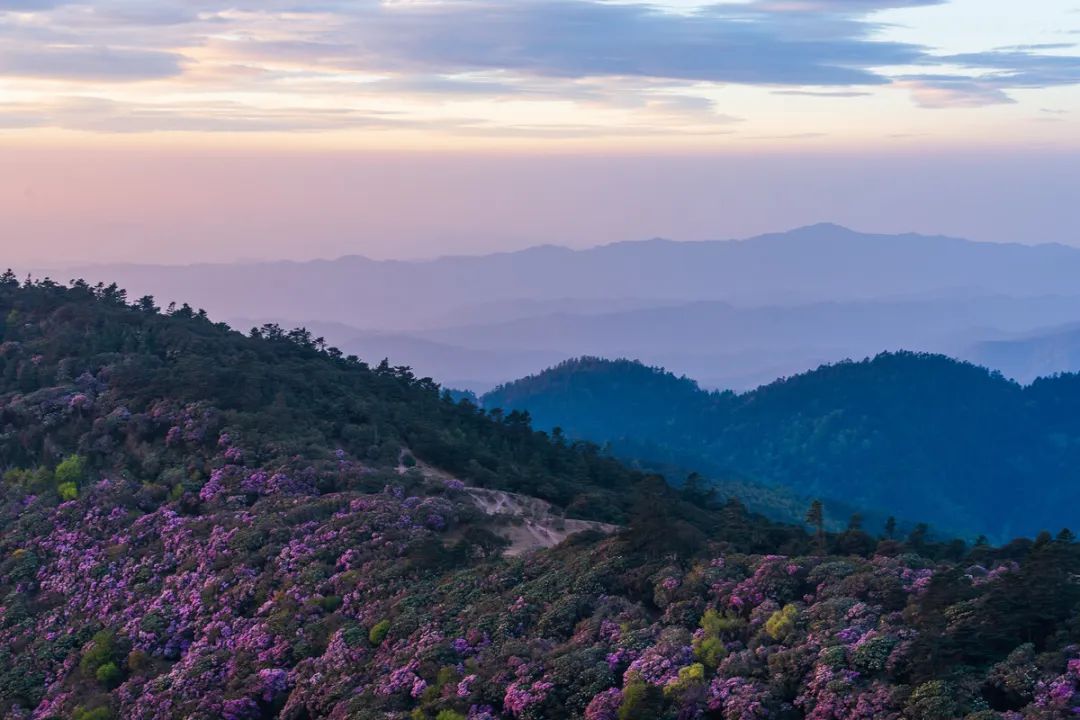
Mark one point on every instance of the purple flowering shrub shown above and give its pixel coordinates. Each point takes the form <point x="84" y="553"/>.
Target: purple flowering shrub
<point x="265" y="606"/>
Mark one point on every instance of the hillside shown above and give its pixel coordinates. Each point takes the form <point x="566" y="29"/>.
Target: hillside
<point x="923" y="436"/>
<point x="201" y="525"/>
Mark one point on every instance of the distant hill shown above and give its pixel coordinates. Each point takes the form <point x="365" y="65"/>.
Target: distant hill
<point x="923" y="435"/>
<point x="811" y="264"/>
<point x="732" y="313"/>
<point x="1028" y="356"/>
<point x="732" y="347"/>
<point x="722" y="345"/>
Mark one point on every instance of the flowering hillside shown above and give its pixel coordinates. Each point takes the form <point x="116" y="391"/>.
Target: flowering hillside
<point x="198" y="524"/>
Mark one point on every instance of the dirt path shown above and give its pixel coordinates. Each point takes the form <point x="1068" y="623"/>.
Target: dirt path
<point x="538" y="528"/>
<point x="533" y="526"/>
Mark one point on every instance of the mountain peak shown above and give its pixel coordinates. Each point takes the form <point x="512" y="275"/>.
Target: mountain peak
<point x="822" y="228"/>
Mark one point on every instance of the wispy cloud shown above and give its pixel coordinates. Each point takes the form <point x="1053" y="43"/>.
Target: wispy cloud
<point x="89" y="63"/>
<point x="785" y="43"/>
<point x="993" y="74"/>
<point x="823" y="93"/>
<point x="947" y="91"/>
<point x="261" y="59"/>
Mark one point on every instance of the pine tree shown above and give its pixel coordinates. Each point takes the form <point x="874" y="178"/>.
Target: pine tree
<point x="815" y="516"/>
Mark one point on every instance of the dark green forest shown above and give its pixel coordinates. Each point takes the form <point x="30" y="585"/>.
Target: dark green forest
<point x="919" y="436"/>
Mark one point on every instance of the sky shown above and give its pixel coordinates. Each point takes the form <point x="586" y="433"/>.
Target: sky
<point x="185" y="130"/>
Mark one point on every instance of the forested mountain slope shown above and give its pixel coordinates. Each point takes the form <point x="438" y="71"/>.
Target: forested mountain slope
<point x="921" y="435"/>
<point x="200" y="525"/>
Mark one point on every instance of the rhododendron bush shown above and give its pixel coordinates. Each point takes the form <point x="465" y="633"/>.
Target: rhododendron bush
<point x="220" y="560"/>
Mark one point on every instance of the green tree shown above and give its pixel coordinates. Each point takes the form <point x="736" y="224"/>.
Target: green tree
<point x="103" y="650"/>
<point x="378" y="632"/>
<point x="815" y="517"/>
<point x="933" y="700"/>
<point x="641" y="701"/>
<point x="109" y="675"/>
<point x="782" y="622"/>
<point x="98" y="713"/>
<point x="71" y="469"/>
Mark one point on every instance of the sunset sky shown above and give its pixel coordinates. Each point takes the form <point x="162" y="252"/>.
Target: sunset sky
<point x="157" y="130"/>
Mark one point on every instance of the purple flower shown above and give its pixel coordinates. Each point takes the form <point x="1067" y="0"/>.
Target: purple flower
<point x="273" y="682"/>
<point x="240" y="709"/>
<point x="605" y="705"/>
<point x="464" y="687"/>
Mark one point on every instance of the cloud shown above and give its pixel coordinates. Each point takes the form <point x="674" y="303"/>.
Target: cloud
<point x="575" y="39"/>
<point x="89" y="63"/>
<point x="790" y="136"/>
<point x="857" y="7"/>
<point x="105" y="115"/>
<point x="691" y="116"/>
<point x="641" y="62"/>
<point x="823" y="93"/>
<point x="945" y="92"/>
<point x="29" y="5"/>
<point x="998" y="72"/>
<point x="1022" y="69"/>
<point x="787" y="43"/>
<point x="782" y="43"/>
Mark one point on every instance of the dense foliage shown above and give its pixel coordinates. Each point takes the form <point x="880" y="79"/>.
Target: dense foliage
<point x="85" y="375"/>
<point x="197" y="524"/>
<point x="918" y="436"/>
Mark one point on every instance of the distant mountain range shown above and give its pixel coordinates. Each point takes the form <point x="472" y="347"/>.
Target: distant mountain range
<point x="721" y="345"/>
<point x="739" y="348"/>
<point x="923" y="435"/>
<point x="732" y="313"/>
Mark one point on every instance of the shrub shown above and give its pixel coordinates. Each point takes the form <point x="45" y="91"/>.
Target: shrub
<point x="137" y="661"/>
<point x="689" y="676"/>
<point x="710" y="651"/>
<point x="71" y="469"/>
<point x="639" y="701"/>
<point x="102" y="653"/>
<point x="873" y="655"/>
<point x="713" y="623"/>
<point x="98" y="713"/>
<point x="782" y="622"/>
<point x="932" y="701"/>
<point x="108" y="675"/>
<point x="68" y="491"/>
<point x="378" y="632"/>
